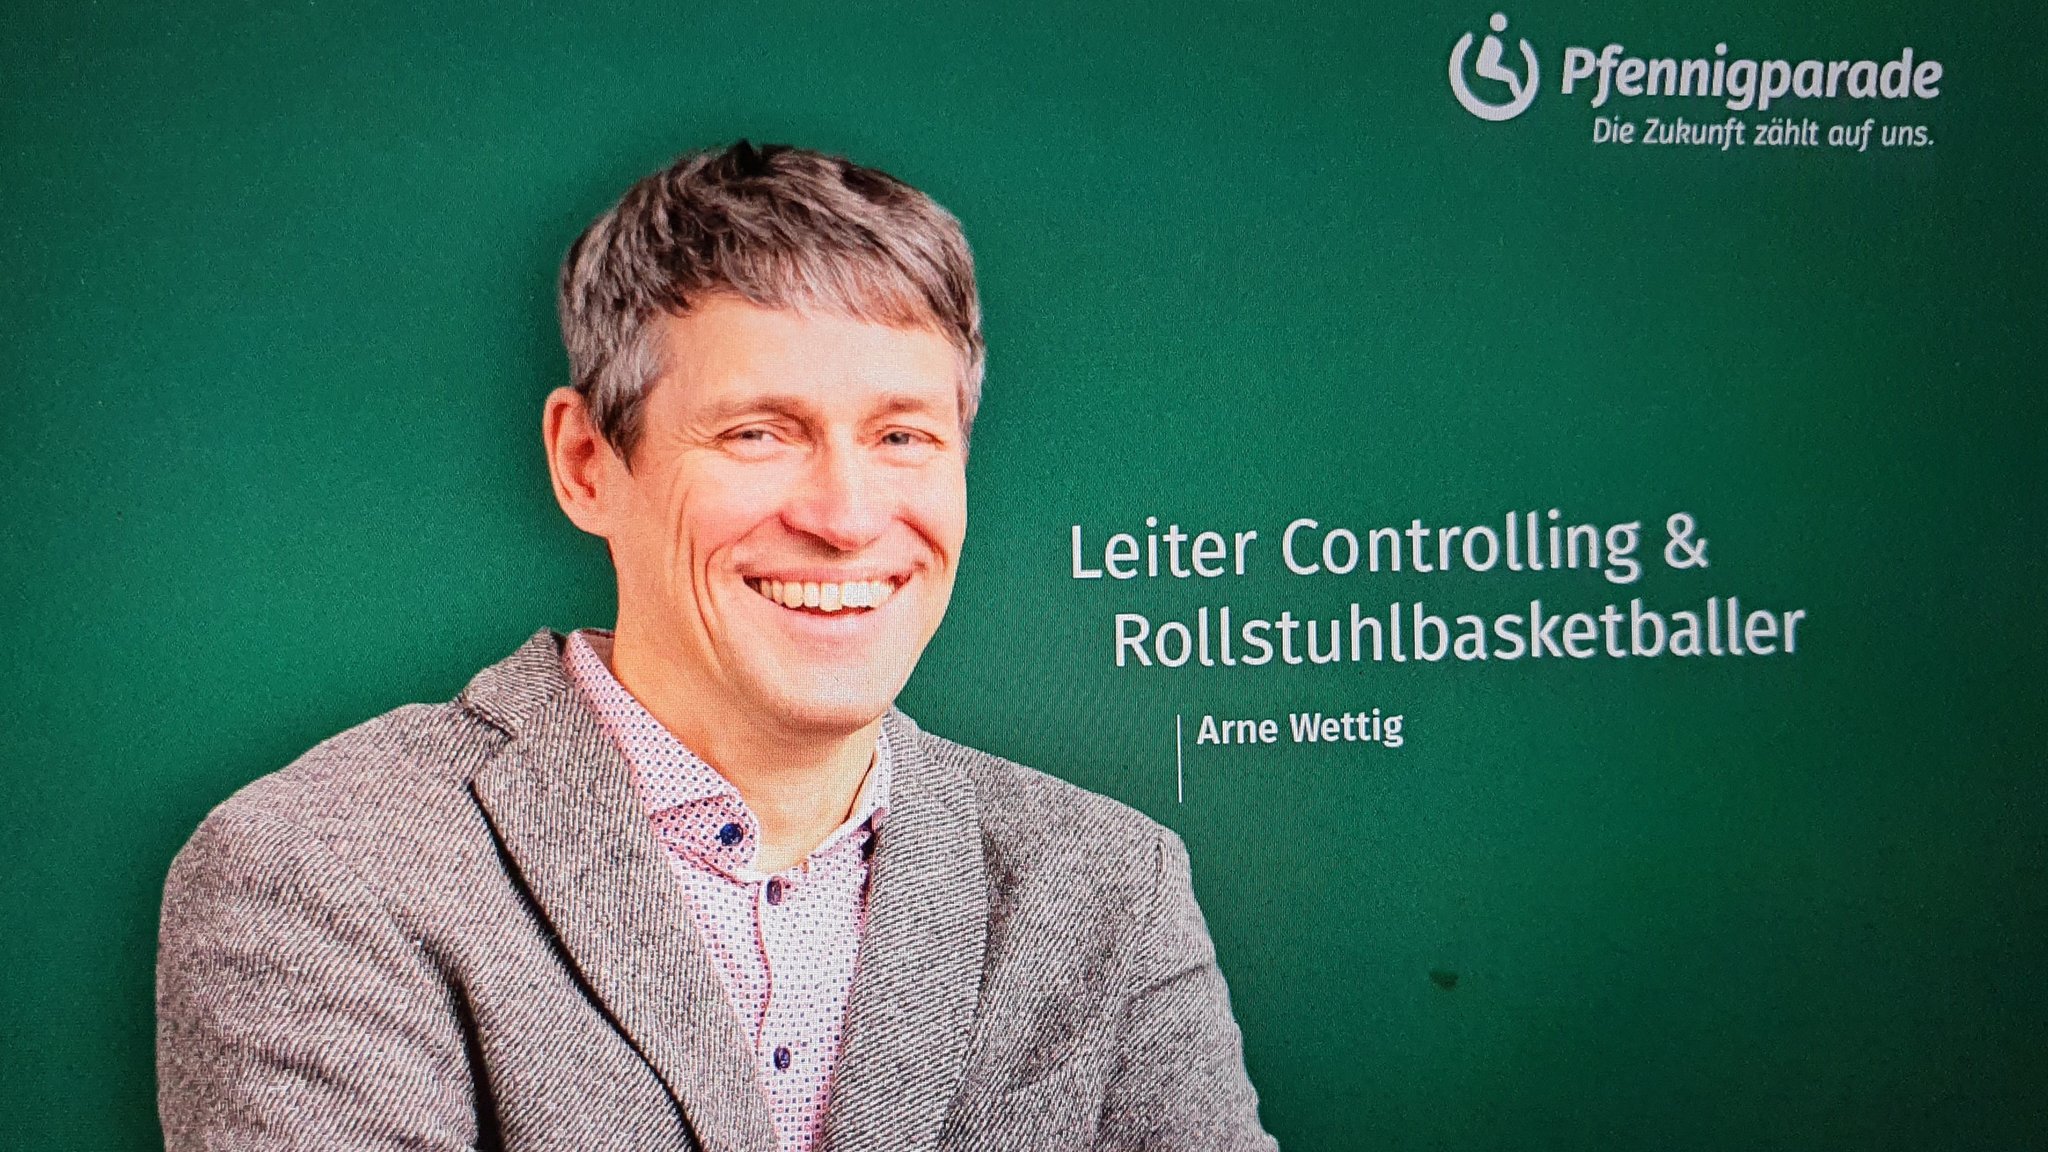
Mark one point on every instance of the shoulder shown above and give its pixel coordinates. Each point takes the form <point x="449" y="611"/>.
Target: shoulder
<point x="1034" y="822"/>
<point x="379" y="802"/>
<point x="1084" y="893"/>
<point x="419" y="754"/>
<point x="388" y="794"/>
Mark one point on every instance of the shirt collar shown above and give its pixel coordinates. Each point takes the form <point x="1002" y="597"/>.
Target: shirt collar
<point x="668" y="776"/>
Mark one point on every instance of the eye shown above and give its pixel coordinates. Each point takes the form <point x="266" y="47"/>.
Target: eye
<point x="912" y="434"/>
<point x="752" y="440"/>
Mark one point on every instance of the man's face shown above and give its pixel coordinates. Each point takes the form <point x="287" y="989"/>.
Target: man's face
<point x="788" y="533"/>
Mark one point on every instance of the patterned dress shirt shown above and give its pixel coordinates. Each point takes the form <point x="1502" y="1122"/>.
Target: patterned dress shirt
<point x="785" y="941"/>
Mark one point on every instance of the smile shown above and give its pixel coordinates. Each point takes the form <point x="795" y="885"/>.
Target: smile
<point x="830" y="598"/>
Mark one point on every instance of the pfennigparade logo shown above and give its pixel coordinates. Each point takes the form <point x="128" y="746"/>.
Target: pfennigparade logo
<point x="1705" y="96"/>
<point x="1521" y="88"/>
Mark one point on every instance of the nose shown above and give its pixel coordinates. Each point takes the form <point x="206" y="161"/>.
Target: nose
<point x="841" y="501"/>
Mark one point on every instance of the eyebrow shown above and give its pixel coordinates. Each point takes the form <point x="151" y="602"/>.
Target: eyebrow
<point x="797" y="407"/>
<point x="897" y="402"/>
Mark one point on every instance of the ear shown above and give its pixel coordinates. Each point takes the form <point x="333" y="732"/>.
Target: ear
<point x="584" y="468"/>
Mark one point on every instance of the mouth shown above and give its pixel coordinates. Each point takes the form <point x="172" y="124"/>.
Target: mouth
<point x="826" y="598"/>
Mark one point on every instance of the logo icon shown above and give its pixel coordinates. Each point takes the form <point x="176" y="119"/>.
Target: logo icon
<point x="1521" y="90"/>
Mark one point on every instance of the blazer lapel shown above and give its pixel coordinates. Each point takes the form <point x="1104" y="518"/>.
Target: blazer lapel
<point x="560" y="799"/>
<point x="913" y="1005"/>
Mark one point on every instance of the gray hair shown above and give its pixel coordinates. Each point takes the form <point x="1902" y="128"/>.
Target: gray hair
<point x="775" y="226"/>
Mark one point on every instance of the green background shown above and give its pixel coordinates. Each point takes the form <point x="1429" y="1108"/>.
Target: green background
<point x="276" y="318"/>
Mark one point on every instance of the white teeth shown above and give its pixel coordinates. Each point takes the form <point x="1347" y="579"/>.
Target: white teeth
<point x="826" y="596"/>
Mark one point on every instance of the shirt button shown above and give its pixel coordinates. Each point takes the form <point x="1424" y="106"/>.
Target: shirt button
<point x="775" y="891"/>
<point x="731" y="834"/>
<point x="782" y="1059"/>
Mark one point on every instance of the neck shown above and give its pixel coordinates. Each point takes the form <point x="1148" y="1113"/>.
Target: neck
<point x="800" y="784"/>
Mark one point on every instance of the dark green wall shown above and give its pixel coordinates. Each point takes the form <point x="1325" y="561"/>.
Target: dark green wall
<point x="275" y="321"/>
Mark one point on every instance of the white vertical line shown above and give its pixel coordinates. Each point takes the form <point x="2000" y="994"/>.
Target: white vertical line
<point x="1180" y="795"/>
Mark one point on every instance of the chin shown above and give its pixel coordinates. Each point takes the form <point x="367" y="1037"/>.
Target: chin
<point x="837" y="709"/>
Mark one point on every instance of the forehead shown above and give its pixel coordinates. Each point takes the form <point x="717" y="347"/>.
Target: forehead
<point x="728" y="349"/>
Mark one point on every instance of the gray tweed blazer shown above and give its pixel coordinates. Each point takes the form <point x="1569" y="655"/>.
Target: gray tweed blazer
<point x="452" y="928"/>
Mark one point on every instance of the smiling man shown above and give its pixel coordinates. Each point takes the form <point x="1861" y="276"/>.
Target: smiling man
<point x="693" y="882"/>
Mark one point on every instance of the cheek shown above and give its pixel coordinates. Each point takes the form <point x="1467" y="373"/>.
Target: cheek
<point x="937" y="506"/>
<point x="714" y="515"/>
<point x="695" y="515"/>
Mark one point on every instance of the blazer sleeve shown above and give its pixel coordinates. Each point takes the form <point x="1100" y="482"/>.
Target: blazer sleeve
<point x="1180" y="1080"/>
<point x="293" y="1010"/>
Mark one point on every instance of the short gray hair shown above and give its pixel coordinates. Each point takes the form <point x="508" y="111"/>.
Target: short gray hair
<point x="775" y="226"/>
